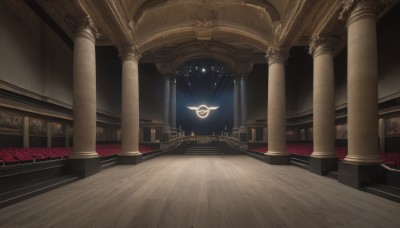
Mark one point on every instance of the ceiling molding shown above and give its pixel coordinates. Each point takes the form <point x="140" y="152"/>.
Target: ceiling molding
<point x="273" y="13"/>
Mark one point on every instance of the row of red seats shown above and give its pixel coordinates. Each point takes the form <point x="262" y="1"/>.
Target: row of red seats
<point x="15" y="155"/>
<point x="393" y="158"/>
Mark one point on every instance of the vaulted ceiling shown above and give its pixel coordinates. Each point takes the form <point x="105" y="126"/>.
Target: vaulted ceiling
<point x="171" y="32"/>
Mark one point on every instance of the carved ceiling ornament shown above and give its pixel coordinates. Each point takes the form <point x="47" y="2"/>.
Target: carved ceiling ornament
<point x="59" y="15"/>
<point x="322" y="45"/>
<point x="130" y="53"/>
<point x="276" y="55"/>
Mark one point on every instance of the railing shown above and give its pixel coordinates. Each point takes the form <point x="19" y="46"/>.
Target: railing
<point x="386" y="166"/>
<point x="234" y="142"/>
<point x="203" y="139"/>
<point x="174" y="143"/>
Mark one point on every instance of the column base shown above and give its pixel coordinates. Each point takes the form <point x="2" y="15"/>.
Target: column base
<point x="356" y="175"/>
<point x="166" y="137"/>
<point x="277" y="159"/>
<point x="84" y="167"/>
<point x="129" y="160"/>
<point x="322" y="166"/>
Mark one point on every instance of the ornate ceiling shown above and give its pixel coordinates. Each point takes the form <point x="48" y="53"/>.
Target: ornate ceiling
<point x="170" y="32"/>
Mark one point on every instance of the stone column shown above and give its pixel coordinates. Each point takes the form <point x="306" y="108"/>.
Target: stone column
<point x="243" y="109"/>
<point x="236" y="105"/>
<point x="49" y="134"/>
<point x="130" y="107"/>
<point x="166" y="112"/>
<point x="84" y="160"/>
<point x="323" y="159"/>
<point x="66" y="133"/>
<point x="382" y="134"/>
<point x="362" y="91"/>
<point x="276" y="107"/>
<point x="25" y="134"/>
<point x="173" y="104"/>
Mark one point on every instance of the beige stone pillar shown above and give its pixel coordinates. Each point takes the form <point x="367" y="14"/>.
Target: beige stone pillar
<point x="84" y="91"/>
<point x="236" y="104"/>
<point x="276" y="107"/>
<point x="66" y="134"/>
<point x="130" y="107"/>
<point x="166" y="127"/>
<point x="323" y="98"/>
<point x="362" y="83"/>
<point x="243" y="109"/>
<point x="382" y="134"/>
<point x="173" y="104"/>
<point x="323" y="159"/>
<point x="362" y="161"/>
<point x="25" y="133"/>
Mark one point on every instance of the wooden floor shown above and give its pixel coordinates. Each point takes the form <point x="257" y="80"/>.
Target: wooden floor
<point x="203" y="191"/>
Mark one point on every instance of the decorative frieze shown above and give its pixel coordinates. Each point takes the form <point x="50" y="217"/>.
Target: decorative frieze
<point x="129" y="53"/>
<point x="84" y="27"/>
<point x="354" y="10"/>
<point x="322" y="45"/>
<point x="276" y="55"/>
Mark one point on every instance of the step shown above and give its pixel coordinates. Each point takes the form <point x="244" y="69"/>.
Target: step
<point x="203" y="153"/>
<point x="305" y="162"/>
<point x="333" y="174"/>
<point x="385" y="191"/>
<point x="20" y="194"/>
<point x="109" y="162"/>
<point x="256" y="156"/>
<point x="299" y="164"/>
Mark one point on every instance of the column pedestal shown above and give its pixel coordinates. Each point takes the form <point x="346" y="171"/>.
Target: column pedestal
<point x="277" y="159"/>
<point x="357" y="175"/>
<point x="84" y="167"/>
<point x="129" y="160"/>
<point x="322" y="166"/>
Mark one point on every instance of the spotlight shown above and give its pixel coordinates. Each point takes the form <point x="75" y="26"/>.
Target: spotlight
<point x="203" y="70"/>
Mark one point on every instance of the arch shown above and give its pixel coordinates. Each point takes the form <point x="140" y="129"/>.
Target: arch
<point x="167" y="36"/>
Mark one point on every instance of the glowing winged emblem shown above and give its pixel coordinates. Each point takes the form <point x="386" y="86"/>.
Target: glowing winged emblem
<point x="202" y="111"/>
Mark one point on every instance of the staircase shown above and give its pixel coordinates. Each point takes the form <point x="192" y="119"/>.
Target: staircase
<point x="22" y="193"/>
<point x="385" y="191"/>
<point x="108" y="161"/>
<point x="203" y="149"/>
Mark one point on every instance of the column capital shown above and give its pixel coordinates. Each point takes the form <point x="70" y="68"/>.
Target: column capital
<point x="84" y="27"/>
<point x="354" y="10"/>
<point x="322" y="45"/>
<point x="129" y="53"/>
<point x="276" y="55"/>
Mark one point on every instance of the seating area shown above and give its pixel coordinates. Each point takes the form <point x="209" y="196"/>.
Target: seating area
<point x="305" y="149"/>
<point x="17" y="155"/>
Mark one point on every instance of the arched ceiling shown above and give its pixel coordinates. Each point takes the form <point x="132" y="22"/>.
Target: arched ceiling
<point x="173" y="31"/>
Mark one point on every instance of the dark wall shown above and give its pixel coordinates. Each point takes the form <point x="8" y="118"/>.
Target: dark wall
<point x="108" y="79"/>
<point x="388" y="29"/>
<point x="151" y="92"/>
<point x="257" y="83"/>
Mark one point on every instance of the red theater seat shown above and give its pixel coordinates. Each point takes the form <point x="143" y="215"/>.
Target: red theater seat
<point x="6" y="157"/>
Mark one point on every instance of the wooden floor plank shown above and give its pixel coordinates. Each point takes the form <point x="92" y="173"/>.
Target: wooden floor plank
<point x="203" y="191"/>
